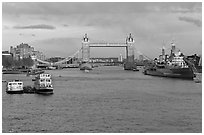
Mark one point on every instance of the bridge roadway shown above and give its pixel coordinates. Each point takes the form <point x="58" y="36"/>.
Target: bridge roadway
<point x="107" y="45"/>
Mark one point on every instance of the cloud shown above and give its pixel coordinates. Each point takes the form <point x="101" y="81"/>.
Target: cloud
<point x="148" y="22"/>
<point x="30" y="35"/>
<point x="5" y="27"/>
<point x="66" y="8"/>
<point x="39" y="26"/>
<point x="65" y="25"/>
<point x="180" y="7"/>
<point x="191" y="20"/>
<point x="62" y="46"/>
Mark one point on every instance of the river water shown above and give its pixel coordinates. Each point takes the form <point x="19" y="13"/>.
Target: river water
<point x="107" y="99"/>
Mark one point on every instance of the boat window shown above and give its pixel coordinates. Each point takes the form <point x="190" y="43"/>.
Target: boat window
<point x="9" y="84"/>
<point x="19" y="83"/>
<point x="48" y="80"/>
<point x="42" y="80"/>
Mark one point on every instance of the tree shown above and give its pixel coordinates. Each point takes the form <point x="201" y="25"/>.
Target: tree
<point x="17" y="63"/>
<point x="27" y="62"/>
<point x="7" y="62"/>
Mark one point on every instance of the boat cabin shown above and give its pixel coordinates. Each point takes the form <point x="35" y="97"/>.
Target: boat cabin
<point x="15" y="85"/>
<point x="43" y="80"/>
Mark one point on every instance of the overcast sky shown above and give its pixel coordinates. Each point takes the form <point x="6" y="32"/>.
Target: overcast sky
<point x="56" y="29"/>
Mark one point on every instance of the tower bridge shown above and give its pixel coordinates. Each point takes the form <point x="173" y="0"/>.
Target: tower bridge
<point x="85" y="53"/>
<point x="129" y="46"/>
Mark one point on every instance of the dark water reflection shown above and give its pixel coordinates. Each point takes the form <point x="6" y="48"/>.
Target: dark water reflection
<point x="106" y="99"/>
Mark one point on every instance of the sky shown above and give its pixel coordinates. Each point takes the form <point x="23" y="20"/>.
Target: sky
<point x="57" y="28"/>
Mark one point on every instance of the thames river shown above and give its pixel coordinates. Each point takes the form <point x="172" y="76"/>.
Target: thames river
<point x="107" y="99"/>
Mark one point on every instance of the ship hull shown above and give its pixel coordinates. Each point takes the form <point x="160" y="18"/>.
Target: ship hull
<point x="85" y="66"/>
<point x="44" y="91"/>
<point x="12" y="72"/>
<point x="183" y="73"/>
<point x="15" y="92"/>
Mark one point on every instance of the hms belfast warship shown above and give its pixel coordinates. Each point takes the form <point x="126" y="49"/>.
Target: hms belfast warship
<point x="174" y="65"/>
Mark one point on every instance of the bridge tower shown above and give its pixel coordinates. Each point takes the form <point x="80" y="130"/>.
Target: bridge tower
<point x="85" y="49"/>
<point x="130" y="63"/>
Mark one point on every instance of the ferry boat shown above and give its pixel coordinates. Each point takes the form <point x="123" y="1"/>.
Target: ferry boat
<point x="175" y="66"/>
<point x="43" y="84"/>
<point x="14" y="87"/>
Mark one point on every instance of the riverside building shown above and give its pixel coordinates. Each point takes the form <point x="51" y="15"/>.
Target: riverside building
<point x="25" y="51"/>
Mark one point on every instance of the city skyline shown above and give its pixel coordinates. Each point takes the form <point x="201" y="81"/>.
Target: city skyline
<point x="56" y="29"/>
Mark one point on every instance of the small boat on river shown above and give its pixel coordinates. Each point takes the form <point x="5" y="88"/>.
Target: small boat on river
<point x="35" y="72"/>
